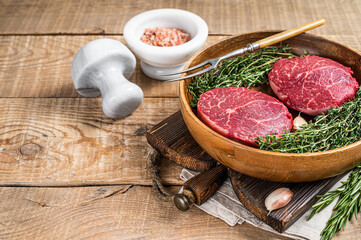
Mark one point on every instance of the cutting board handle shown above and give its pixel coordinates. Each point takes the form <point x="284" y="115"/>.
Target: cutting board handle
<point x="200" y="188"/>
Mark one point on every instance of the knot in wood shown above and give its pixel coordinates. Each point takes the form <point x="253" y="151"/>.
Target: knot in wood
<point x="141" y="131"/>
<point x="30" y="149"/>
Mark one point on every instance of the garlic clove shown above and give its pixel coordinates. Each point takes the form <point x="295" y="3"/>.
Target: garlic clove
<point x="298" y="122"/>
<point x="278" y="199"/>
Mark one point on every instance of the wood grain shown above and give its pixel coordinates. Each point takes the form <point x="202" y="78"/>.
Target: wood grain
<point x="113" y="212"/>
<point x="69" y="141"/>
<point x="237" y="16"/>
<point x="173" y="141"/>
<point x="116" y="212"/>
<point x="39" y="66"/>
<point x="266" y="165"/>
<point x="253" y="192"/>
<point x="179" y="146"/>
<point x="49" y="141"/>
<point x="204" y="185"/>
<point x="274" y="39"/>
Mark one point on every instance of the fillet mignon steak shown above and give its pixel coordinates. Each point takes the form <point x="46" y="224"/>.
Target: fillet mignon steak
<point x="312" y="84"/>
<point x="243" y="114"/>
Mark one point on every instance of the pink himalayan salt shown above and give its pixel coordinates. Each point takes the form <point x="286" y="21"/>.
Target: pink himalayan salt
<point x="165" y="37"/>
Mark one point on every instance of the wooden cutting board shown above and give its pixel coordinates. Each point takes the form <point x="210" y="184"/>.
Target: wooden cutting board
<point x="173" y="140"/>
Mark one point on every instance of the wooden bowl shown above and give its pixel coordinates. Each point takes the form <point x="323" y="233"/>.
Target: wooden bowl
<point x="272" y="166"/>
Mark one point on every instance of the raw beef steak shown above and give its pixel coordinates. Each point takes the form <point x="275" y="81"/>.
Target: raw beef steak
<point x="312" y="84"/>
<point x="243" y="114"/>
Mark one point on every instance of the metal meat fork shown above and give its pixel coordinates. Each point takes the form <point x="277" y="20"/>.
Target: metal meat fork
<point x="249" y="48"/>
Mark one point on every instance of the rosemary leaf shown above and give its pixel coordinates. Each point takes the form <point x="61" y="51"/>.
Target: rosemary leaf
<point x="248" y="70"/>
<point x="349" y="195"/>
<point x="338" y="128"/>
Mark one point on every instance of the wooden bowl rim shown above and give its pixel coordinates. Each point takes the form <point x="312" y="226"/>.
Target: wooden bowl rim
<point x="240" y="145"/>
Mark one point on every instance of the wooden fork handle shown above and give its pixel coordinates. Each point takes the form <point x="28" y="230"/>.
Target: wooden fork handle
<point x="290" y="33"/>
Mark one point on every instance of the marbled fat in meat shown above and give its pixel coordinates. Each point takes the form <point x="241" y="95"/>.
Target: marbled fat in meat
<point x="242" y="114"/>
<point x="312" y="84"/>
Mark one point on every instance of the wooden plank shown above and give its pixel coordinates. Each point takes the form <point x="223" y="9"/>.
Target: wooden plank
<point x="116" y="212"/>
<point x="236" y="16"/>
<point x="112" y="212"/>
<point x="39" y="66"/>
<point x="69" y="141"/>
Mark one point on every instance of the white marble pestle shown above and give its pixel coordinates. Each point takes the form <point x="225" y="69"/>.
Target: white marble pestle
<point x="102" y="67"/>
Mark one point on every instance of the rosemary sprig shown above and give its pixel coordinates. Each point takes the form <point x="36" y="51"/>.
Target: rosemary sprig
<point x="338" y="128"/>
<point x="341" y="126"/>
<point x="348" y="205"/>
<point x="248" y="70"/>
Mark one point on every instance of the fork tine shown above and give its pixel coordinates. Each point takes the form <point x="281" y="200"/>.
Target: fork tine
<point x="189" y="69"/>
<point x="192" y="75"/>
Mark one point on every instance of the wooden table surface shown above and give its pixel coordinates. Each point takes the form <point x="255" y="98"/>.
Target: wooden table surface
<point x="69" y="172"/>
